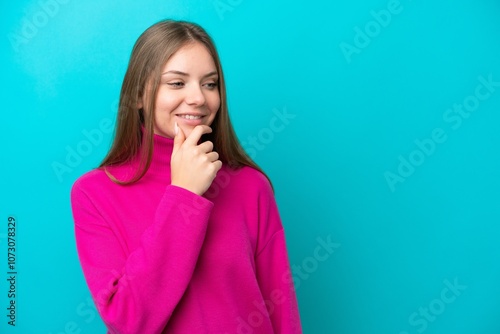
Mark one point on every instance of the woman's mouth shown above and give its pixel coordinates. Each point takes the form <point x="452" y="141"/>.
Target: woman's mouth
<point x="190" y="119"/>
<point x="190" y="116"/>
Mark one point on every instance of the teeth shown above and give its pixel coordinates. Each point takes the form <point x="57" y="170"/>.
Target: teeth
<point x="190" y="116"/>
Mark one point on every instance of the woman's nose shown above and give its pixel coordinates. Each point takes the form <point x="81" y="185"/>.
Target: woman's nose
<point x="195" y="96"/>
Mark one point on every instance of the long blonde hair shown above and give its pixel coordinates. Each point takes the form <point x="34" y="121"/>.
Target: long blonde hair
<point x="151" y="52"/>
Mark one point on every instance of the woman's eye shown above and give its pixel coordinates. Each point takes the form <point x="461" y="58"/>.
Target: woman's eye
<point x="211" y="85"/>
<point x="175" y="84"/>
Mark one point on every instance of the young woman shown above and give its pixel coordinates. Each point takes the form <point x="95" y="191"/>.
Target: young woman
<point x="177" y="230"/>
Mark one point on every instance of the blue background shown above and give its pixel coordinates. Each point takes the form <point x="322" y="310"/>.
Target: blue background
<point x="356" y="118"/>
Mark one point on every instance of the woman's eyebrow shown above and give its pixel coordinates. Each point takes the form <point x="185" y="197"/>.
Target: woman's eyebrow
<point x="186" y="74"/>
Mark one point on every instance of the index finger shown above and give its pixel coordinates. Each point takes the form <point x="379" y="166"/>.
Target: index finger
<point x="195" y="135"/>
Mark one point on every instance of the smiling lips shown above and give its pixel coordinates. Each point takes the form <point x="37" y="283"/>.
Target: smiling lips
<point x="189" y="116"/>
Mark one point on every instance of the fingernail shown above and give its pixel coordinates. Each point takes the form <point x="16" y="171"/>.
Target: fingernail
<point x="176" y="128"/>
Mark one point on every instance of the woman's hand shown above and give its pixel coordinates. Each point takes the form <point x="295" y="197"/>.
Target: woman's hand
<point x="194" y="166"/>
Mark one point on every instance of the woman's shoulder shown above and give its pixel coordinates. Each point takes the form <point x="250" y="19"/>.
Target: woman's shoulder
<point x="91" y="179"/>
<point x="102" y="176"/>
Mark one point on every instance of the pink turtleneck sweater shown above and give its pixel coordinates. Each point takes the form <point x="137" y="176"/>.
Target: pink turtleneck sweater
<point x="160" y="259"/>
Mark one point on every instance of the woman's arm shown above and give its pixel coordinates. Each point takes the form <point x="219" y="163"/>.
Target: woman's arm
<point x="273" y="268"/>
<point x="137" y="293"/>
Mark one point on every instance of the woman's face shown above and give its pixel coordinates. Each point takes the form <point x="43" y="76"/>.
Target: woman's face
<point x="188" y="93"/>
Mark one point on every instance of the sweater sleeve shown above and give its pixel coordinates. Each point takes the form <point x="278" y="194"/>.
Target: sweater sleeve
<point x="273" y="268"/>
<point x="138" y="293"/>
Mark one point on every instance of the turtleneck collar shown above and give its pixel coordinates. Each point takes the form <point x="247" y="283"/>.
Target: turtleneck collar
<point x="162" y="152"/>
<point x="159" y="169"/>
